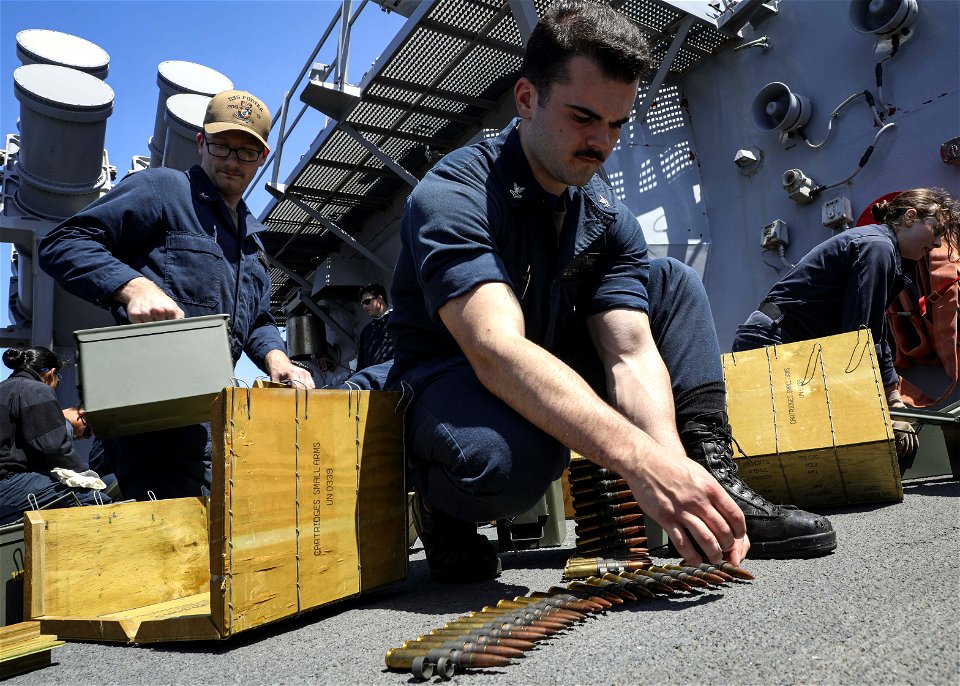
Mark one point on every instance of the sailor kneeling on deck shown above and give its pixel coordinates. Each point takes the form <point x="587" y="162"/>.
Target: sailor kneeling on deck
<point x="34" y="439"/>
<point x="529" y="320"/>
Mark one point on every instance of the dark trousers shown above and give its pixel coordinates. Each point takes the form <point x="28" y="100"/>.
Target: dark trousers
<point x="173" y="463"/>
<point x="15" y="491"/>
<point x="474" y="457"/>
<point x="758" y="331"/>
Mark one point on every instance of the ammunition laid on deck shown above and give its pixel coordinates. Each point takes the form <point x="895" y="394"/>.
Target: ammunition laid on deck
<point x="579" y="567"/>
<point x="611" y="587"/>
<point x="661" y="577"/>
<point x="610" y="597"/>
<point x="467" y="646"/>
<point x="590" y="596"/>
<point x="639" y="589"/>
<point x="700" y="574"/>
<point x="552" y="607"/>
<point x="501" y="628"/>
<point x="681" y="576"/>
<point x="490" y="635"/>
<point x="724" y="569"/>
<point x="609" y="567"/>
<point x="572" y="601"/>
<point x="650" y="582"/>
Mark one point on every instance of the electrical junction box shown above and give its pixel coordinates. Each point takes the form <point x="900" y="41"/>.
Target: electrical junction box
<point x="774" y="235"/>
<point x="837" y="214"/>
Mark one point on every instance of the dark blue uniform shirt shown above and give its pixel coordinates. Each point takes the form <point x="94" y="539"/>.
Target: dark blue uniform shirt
<point x="480" y="216"/>
<point x="375" y="345"/>
<point x="842" y="284"/>
<point x="173" y="228"/>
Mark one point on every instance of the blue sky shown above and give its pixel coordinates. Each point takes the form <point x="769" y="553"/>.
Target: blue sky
<point x="260" y="45"/>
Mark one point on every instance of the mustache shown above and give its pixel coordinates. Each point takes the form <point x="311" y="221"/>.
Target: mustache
<point x="594" y="154"/>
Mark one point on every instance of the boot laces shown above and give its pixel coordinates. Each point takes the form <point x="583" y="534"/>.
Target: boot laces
<point x="724" y="455"/>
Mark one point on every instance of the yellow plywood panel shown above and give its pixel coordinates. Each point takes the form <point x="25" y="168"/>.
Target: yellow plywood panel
<point x="382" y="494"/>
<point x="99" y="559"/>
<point x="309" y="507"/>
<point x="802" y="414"/>
<point x="182" y="619"/>
<point x="855" y="393"/>
<point x="871" y="473"/>
<point x="814" y="476"/>
<point x="751" y="416"/>
<point x="314" y="501"/>
<point x="328" y="550"/>
<point x="260" y="518"/>
<point x="766" y="476"/>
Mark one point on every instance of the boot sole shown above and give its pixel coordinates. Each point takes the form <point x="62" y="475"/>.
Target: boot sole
<point x="813" y="545"/>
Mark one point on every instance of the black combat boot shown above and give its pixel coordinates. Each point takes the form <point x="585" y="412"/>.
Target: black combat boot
<point x="775" y="531"/>
<point x="455" y="551"/>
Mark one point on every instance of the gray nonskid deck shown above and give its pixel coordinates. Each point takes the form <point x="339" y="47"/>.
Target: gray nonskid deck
<point x="881" y="610"/>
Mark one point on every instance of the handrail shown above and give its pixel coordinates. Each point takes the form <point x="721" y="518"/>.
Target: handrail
<point x="283" y="135"/>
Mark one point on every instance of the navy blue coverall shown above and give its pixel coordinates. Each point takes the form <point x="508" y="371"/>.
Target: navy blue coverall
<point x="173" y="228"/>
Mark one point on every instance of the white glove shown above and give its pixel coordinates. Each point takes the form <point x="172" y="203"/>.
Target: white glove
<point x="87" y="479"/>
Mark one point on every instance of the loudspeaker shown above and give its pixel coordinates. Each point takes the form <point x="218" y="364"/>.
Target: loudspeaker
<point x="777" y="107"/>
<point x="882" y="17"/>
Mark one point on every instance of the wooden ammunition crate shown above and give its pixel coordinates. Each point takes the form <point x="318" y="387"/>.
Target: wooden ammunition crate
<point x="308" y="507"/>
<point x="813" y="419"/>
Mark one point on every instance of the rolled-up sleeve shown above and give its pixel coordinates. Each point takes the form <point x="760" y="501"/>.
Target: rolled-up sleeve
<point x="624" y="285"/>
<point x="454" y="249"/>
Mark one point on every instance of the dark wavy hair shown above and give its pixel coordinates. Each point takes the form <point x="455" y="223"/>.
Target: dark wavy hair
<point x="35" y="359"/>
<point x="374" y="289"/>
<point x="569" y="29"/>
<point x="928" y="202"/>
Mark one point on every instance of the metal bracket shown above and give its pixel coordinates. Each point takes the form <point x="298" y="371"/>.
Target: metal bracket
<point x="379" y="154"/>
<point x="682" y="28"/>
<point x="343" y="235"/>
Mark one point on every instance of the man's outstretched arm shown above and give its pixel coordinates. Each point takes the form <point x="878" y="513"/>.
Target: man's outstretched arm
<point x="487" y="323"/>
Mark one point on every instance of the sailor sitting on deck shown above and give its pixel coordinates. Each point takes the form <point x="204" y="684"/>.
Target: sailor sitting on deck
<point x="33" y="437"/>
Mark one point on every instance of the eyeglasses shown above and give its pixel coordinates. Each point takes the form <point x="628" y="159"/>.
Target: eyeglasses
<point x="243" y="154"/>
<point x="367" y="301"/>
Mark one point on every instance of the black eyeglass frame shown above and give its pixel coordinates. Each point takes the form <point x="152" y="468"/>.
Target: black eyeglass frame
<point x="367" y="301"/>
<point x="210" y="146"/>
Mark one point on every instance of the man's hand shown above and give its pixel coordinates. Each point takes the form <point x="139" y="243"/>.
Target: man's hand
<point x="282" y="369"/>
<point x="691" y="506"/>
<point x="145" y="302"/>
